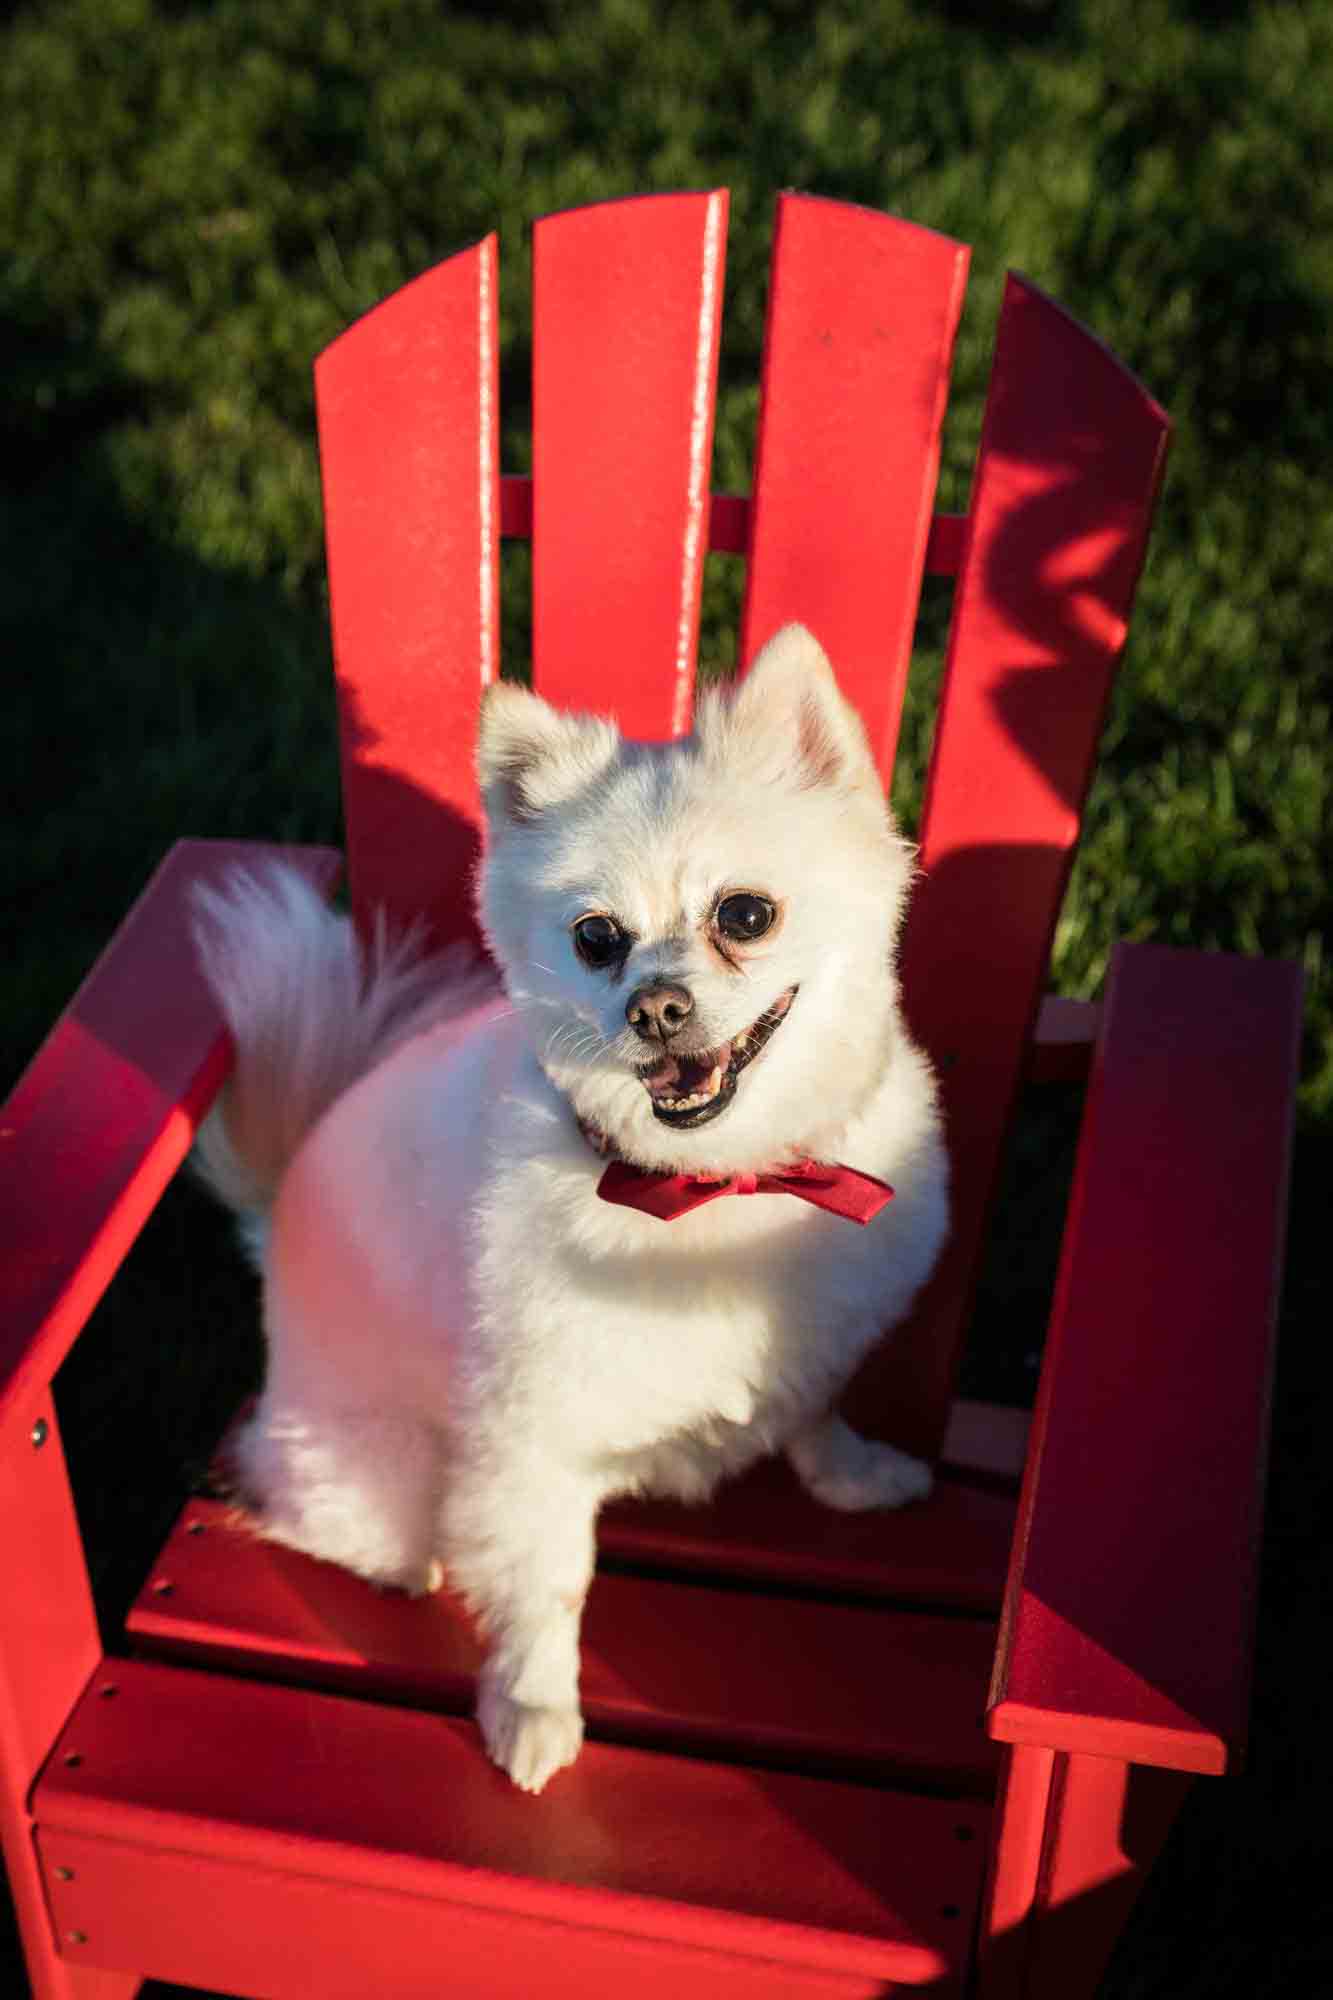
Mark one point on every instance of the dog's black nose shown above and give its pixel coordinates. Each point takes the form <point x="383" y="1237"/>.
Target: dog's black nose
<point x="656" y="1013"/>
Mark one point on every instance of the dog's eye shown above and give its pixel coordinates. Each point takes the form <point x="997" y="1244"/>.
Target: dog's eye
<point x="599" y="941"/>
<point x="745" y="917"/>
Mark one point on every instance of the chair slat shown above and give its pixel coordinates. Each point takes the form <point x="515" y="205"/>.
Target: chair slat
<point x="862" y="315"/>
<point x="407" y="402"/>
<point x="242" y="1926"/>
<point x="1070" y="461"/>
<point x="764" y="1527"/>
<point x="950" y="1553"/>
<point x="627" y="302"/>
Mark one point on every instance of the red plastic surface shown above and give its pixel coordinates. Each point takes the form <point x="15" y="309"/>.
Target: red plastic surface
<point x="862" y="313"/>
<point x="1129" y="1607"/>
<point x="1105" y="1825"/>
<point x="250" y="1930"/>
<point x="91" y="1135"/>
<point x="627" y="302"/>
<point x="408" y="425"/>
<point x="1067" y="474"/>
<point x="1075" y="1839"/>
<point x="728" y="524"/>
<point x="1013" y="1881"/>
<point x="49" y="1645"/>
<point x="952" y="1550"/>
<point x="830" y="1877"/>
<point x="106" y="1112"/>
<point x="810" y="1684"/>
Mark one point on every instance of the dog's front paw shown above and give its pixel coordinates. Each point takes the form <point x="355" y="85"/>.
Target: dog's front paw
<point x="531" y="1744"/>
<point x="852" y="1473"/>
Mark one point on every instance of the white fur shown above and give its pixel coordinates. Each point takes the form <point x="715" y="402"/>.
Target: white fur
<point x="469" y="1351"/>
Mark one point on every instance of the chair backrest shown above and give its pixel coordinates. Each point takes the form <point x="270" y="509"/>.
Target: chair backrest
<point x="862" y="314"/>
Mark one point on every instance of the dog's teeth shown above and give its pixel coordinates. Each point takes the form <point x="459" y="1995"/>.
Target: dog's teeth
<point x="714" y="1083"/>
<point x="694" y="1100"/>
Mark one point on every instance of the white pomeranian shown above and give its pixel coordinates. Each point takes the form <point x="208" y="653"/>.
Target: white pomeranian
<point x="623" y="1226"/>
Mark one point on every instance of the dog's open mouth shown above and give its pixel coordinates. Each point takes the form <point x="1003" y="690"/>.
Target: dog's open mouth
<point x="689" y="1090"/>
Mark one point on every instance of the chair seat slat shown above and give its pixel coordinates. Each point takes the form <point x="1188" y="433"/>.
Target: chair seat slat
<point x="839" y="1879"/>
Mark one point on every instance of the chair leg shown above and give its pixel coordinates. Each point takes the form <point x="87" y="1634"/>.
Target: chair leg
<point x="1076" y="1838"/>
<point x="49" y="1646"/>
<point x="1026" y="1779"/>
<point x="52" y="1977"/>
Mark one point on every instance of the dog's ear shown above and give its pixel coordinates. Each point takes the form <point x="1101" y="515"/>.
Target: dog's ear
<point x="790" y="702"/>
<point x="531" y="756"/>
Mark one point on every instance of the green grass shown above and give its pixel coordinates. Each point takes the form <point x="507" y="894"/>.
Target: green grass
<point x="195" y="198"/>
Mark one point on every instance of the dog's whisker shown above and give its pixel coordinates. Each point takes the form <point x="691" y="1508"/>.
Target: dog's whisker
<point x="578" y="1040"/>
<point x="586" y="1044"/>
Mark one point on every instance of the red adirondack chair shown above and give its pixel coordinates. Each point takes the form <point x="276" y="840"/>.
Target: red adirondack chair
<point x="798" y="1782"/>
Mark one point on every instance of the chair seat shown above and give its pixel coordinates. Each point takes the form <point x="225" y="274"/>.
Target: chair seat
<point x="787" y="1785"/>
<point x="769" y="1675"/>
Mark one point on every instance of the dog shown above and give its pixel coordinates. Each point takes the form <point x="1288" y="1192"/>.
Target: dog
<point x="621" y="1221"/>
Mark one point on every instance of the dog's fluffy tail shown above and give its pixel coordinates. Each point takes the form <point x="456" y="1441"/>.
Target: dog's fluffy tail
<point x="310" y="1011"/>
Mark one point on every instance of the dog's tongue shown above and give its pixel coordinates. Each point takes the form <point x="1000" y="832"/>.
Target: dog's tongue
<point x="681" y="1076"/>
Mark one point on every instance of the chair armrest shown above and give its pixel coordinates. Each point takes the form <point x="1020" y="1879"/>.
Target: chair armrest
<point x="1128" y="1614"/>
<point x="107" y="1110"/>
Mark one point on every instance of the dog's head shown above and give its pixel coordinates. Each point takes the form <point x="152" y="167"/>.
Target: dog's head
<point x="699" y="935"/>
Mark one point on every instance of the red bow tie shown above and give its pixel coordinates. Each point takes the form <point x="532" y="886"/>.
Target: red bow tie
<point x="842" y="1190"/>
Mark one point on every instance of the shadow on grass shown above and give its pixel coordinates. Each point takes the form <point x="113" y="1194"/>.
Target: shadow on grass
<point x="153" y="695"/>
